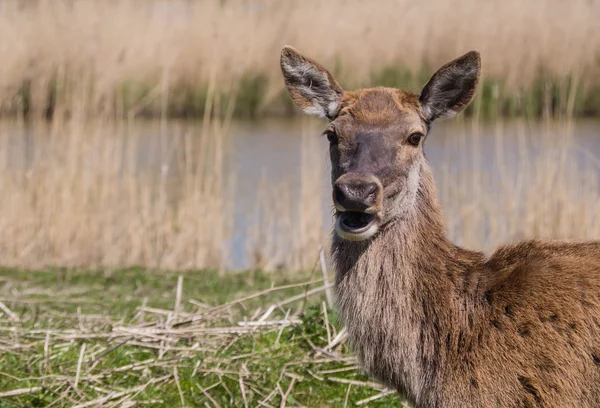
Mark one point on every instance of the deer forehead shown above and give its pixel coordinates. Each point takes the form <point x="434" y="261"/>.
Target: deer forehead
<point x="373" y="108"/>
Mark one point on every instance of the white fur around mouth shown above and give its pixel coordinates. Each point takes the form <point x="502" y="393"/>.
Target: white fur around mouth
<point x="355" y="235"/>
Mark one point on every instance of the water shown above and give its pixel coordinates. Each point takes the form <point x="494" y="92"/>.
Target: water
<point x="278" y="152"/>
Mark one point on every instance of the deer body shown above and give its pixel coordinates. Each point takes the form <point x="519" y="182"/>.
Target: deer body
<point x="444" y="326"/>
<point x="447" y="327"/>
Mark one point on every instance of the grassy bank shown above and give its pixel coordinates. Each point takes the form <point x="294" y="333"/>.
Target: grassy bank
<point x="152" y="338"/>
<point x="136" y="57"/>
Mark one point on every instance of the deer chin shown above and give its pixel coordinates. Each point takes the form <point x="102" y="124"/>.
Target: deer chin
<point x="355" y="225"/>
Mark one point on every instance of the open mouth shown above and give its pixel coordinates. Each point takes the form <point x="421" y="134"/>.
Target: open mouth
<point x="356" y="222"/>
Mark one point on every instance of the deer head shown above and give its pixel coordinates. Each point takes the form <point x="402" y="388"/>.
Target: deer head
<point x="376" y="136"/>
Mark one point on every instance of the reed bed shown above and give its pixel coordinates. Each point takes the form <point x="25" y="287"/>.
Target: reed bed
<point x="540" y="186"/>
<point x="101" y="194"/>
<point x="81" y="196"/>
<point x="120" y="194"/>
<point x="130" y="57"/>
<point x="288" y="225"/>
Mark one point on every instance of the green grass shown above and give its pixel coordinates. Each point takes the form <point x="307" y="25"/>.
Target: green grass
<point x="137" y="350"/>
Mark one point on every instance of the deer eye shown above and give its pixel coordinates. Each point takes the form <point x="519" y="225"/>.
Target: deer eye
<point x="415" y="138"/>
<point x="331" y="136"/>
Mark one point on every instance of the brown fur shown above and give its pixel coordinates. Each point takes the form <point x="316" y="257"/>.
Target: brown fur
<point x="445" y="326"/>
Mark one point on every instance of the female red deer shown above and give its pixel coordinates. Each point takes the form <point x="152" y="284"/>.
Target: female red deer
<point x="444" y="326"/>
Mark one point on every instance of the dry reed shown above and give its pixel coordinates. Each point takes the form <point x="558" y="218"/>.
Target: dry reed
<point x="81" y="194"/>
<point x="78" y="196"/>
<point x="55" y="52"/>
<point x="542" y="185"/>
<point x="288" y="228"/>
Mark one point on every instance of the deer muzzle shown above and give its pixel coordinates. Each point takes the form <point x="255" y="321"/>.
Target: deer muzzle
<point x="357" y="198"/>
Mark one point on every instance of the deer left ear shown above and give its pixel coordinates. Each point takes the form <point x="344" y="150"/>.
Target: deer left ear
<point x="451" y="88"/>
<point x="310" y="85"/>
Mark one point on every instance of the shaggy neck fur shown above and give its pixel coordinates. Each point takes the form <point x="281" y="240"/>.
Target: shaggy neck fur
<point x="402" y="297"/>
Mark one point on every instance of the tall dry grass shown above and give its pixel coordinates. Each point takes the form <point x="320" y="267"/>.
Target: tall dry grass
<point x="86" y="194"/>
<point x="89" y="193"/>
<point x="542" y="184"/>
<point x="287" y="227"/>
<point x="123" y="55"/>
<point x="80" y="195"/>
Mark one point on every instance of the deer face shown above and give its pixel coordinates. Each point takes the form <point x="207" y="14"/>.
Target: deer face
<point x="376" y="136"/>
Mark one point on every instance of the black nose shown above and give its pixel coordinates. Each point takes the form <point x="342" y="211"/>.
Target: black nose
<point x="355" y="195"/>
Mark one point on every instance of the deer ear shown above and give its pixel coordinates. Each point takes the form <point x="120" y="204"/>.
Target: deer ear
<point x="311" y="87"/>
<point x="451" y="88"/>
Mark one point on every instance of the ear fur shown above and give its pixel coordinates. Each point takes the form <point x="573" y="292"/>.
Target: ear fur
<point x="310" y="85"/>
<point x="451" y="88"/>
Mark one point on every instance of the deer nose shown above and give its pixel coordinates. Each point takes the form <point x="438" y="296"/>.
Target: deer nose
<point x="355" y="194"/>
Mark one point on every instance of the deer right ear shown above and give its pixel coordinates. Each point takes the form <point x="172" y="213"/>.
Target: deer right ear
<point x="310" y="86"/>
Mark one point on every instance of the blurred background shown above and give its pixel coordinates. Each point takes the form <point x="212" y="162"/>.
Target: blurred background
<point x="158" y="133"/>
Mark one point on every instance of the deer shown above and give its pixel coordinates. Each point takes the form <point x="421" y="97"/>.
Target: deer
<point x="442" y="325"/>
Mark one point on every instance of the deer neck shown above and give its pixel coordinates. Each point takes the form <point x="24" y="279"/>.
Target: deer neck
<point x="409" y="252"/>
<point x="398" y="292"/>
